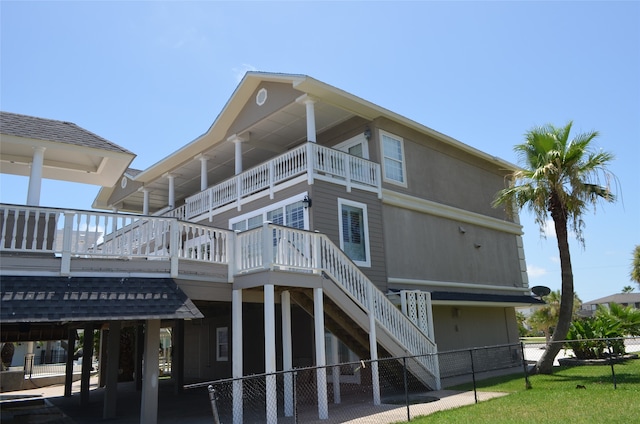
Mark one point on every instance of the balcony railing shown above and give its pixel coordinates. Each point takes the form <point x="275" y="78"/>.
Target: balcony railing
<point x="87" y="234"/>
<point x="311" y="159"/>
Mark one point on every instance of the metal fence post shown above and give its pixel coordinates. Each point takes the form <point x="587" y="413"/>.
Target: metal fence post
<point x="613" y="372"/>
<point x="473" y="376"/>
<point x="295" y="397"/>
<point x="527" y="383"/>
<point x="214" y="406"/>
<point x="406" y="386"/>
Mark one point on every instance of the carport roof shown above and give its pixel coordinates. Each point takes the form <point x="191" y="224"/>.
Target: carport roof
<point x="77" y="299"/>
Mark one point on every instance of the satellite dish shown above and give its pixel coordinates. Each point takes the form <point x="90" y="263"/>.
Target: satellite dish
<point x="540" y="291"/>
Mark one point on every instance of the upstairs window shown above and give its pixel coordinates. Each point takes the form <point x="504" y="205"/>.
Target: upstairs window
<point x="393" y="164"/>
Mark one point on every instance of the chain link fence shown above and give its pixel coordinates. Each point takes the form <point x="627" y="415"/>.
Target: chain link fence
<point x="350" y="392"/>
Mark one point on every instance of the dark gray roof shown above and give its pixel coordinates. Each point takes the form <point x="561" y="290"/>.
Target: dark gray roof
<point x="482" y="297"/>
<point x="62" y="299"/>
<point x="621" y="298"/>
<point x="52" y="130"/>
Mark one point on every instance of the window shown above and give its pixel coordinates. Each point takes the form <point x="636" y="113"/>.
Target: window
<point x="356" y="146"/>
<point x="354" y="232"/>
<point x="289" y="213"/>
<point x="222" y="344"/>
<point x="393" y="166"/>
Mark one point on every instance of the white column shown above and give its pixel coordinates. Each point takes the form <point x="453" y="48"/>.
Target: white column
<point x="373" y="347"/>
<point x="172" y="191"/>
<point x="35" y="179"/>
<point x="321" y="360"/>
<point x="236" y="351"/>
<point x="238" y="150"/>
<point x="149" y="403"/>
<point x="311" y="120"/>
<point x="112" y="363"/>
<point x="287" y="356"/>
<point x="335" y="371"/>
<point x="204" y="183"/>
<point x="145" y="201"/>
<point x="270" y="353"/>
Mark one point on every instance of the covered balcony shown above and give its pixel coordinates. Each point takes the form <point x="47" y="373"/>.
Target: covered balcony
<point x="310" y="161"/>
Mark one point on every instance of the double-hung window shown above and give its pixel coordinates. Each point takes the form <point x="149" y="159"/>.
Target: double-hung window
<point x="393" y="163"/>
<point x="354" y="231"/>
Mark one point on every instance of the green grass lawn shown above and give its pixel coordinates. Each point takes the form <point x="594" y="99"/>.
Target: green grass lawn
<point x="555" y="398"/>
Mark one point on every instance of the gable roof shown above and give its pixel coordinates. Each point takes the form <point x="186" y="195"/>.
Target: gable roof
<point x="71" y="153"/>
<point x="52" y="130"/>
<point x="282" y="126"/>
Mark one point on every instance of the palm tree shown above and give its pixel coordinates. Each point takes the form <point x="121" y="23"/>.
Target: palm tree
<point x="545" y="318"/>
<point x="635" y="265"/>
<point x="627" y="289"/>
<point x="560" y="176"/>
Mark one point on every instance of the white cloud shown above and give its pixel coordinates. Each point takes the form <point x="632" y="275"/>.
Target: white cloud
<point x="549" y="229"/>
<point x="536" y="272"/>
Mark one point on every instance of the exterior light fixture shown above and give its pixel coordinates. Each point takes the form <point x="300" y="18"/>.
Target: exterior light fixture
<point x="306" y="202"/>
<point x="367" y="133"/>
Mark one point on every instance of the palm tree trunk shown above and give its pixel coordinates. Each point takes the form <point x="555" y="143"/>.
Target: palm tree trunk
<point x="565" y="315"/>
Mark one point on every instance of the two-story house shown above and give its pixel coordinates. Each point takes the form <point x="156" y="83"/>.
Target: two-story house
<point x="304" y="211"/>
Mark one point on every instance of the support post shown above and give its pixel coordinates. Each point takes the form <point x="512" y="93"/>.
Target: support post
<point x="204" y="181"/>
<point x="270" y="353"/>
<point x="138" y="356"/>
<point x="236" y="351"/>
<point x="68" y="373"/>
<point x="149" y="403"/>
<point x="87" y="359"/>
<point x="113" y="361"/>
<point x="321" y="360"/>
<point x="287" y="355"/>
<point x="335" y="370"/>
<point x="35" y="178"/>
<point x="172" y="190"/>
<point x="373" y="347"/>
<point x="177" y="356"/>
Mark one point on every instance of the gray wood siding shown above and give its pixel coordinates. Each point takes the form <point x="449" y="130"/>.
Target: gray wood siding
<point x="443" y="174"/>
<point x="426" y="247"/>
<point x="221" y="220"/>
<point x="461" y="327"/>
<point x="325" y="220"/>
<point x="278" y="96"/>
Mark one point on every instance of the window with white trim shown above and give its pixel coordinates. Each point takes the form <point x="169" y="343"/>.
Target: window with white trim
<point x="393" y="163"/>
<point x="354" y="231"/>
<point x="290" y="213"/>
<point x="222" y="344"/>
<point x="356" y="146"/>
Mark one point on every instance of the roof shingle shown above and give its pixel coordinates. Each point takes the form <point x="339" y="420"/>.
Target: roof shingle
<point x="52" y="130"/>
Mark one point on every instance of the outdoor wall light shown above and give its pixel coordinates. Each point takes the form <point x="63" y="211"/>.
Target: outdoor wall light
<point x="306" y="202"/>
<point x="367" y="133"/>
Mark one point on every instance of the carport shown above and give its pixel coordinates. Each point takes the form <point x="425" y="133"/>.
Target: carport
<point x="54" y="307"/>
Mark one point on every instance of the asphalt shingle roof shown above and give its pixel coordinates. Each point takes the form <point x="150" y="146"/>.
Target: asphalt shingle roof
<point x="52" y="130"/>
<point x="483" y="297"/>
<point x="60" y="299"/>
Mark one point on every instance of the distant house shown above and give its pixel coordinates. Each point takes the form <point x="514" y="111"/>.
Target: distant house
<point x="303" y="219"/>
<point x="622" y="299"/>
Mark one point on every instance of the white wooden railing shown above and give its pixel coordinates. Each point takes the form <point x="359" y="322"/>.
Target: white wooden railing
<point x="276" y="247"/>
<point x="86" y="234"/>
<point x="317" y="162"/>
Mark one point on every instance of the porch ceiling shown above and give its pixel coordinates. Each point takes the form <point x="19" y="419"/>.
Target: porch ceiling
<point x="277" y="133"/>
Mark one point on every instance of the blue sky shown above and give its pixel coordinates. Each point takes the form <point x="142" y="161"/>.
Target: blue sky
<point x="152" y="76"/>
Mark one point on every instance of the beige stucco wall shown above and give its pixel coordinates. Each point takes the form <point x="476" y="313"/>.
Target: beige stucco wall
<point x="459" y="327"/>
